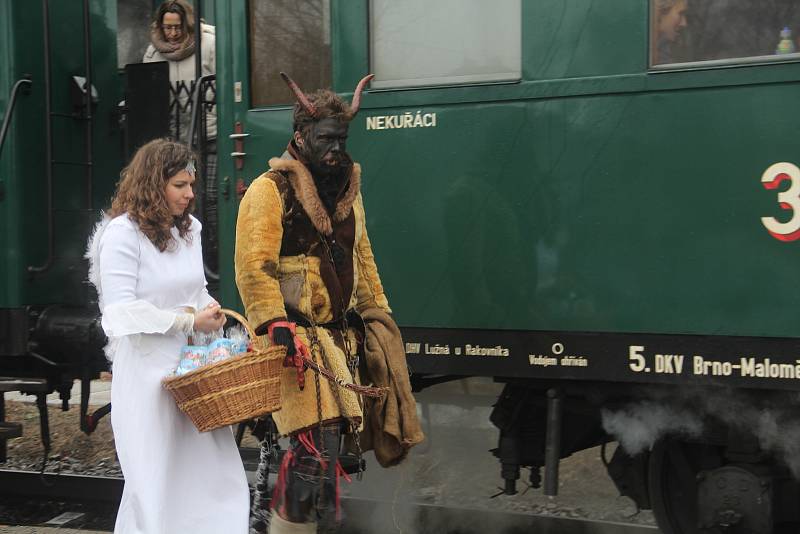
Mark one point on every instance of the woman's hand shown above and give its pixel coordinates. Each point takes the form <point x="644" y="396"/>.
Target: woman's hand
<point x="210" y="319"/>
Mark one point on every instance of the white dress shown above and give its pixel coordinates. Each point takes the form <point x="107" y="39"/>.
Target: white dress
<point x="177" y="480"/>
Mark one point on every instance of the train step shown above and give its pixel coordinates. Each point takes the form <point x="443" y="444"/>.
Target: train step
<point x="27" y="385"/>
<point x="10" y="430"/>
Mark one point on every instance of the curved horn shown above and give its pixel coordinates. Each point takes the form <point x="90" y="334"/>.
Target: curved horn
<point x="357" y="95"/>
<point x="301" y="97"/>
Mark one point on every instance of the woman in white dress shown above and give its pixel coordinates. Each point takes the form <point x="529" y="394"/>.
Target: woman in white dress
<point x="146" y="262"/>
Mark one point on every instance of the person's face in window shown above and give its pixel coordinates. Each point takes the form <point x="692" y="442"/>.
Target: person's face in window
<point x="172" y="26"/>
<point x="672" y="21"/>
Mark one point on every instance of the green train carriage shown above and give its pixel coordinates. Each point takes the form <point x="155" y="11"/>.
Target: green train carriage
<point x="61" y="150"/>
<point x="569" y="197"/>
<point x="53" y="179"/>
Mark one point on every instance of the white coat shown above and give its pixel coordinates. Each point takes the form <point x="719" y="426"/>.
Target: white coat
<point x="184" y="71"/>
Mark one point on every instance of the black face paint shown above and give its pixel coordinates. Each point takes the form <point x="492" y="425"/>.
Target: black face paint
<point x="324" y="147"/>
<point x="325" y="142"/>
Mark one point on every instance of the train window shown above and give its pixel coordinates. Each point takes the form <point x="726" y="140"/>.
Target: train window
<point x="419" y="42"/>
<point x="290" y="36"/>
<point x="723" y="31"/>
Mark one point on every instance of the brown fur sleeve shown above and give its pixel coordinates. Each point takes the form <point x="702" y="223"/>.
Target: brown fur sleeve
<point x="259" y="231"/>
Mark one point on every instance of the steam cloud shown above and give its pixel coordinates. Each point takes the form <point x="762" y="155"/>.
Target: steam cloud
<point x="769" y="416"/>
<point x="639" y="426"/>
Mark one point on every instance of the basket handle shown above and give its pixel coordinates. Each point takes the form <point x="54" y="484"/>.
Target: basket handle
<point x="240" y="318"/>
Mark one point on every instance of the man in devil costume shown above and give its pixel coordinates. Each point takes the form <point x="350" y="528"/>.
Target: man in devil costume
<point x="304" y="269"/>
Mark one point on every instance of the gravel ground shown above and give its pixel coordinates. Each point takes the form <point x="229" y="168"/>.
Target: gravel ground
<point x="72" y="451"/>
<point x="452" y="468"/>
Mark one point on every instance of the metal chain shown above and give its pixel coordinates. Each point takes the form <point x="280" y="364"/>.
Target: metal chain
<point x="359" y="452"/>
<point x="314" y="347"/>
<point x="351" y="358"/>
<point x="260" y="508"/>
<point x="317" y="348"/>
<point x="350" y="355"/>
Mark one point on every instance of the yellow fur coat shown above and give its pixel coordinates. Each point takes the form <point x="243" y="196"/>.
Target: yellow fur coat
<point x="282" y="268"/>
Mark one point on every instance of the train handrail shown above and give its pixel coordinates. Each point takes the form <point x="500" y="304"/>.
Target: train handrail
<point x="89" y="132"/>
<point x="198" y="86"/>
<point x="48" y="262"/>
<point x="12" y="101"/>
<point x="48" y="127"/>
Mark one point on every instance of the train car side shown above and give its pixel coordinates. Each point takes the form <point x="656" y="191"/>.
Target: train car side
<point x="589" y="232"/>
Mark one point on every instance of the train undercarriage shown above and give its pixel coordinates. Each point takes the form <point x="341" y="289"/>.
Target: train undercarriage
<point x="704" y="460"/>
<point x="46" y="349"/>
<point x="724" y="468"/>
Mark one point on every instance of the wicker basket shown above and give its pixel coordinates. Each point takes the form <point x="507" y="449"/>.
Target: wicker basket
<point x="233" y="390"/>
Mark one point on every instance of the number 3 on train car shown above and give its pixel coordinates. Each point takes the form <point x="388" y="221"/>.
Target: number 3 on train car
<point x="788" y="200"/>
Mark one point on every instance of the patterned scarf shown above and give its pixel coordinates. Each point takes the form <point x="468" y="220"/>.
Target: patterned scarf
<point x="172" y="52"/>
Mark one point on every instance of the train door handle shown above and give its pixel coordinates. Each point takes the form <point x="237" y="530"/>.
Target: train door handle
<point x="238" y="137"/>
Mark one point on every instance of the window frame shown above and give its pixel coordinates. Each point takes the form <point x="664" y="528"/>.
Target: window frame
<point x="422" y="83"/>
<point x="290" y="101"/>
<point x="744" y="61"/>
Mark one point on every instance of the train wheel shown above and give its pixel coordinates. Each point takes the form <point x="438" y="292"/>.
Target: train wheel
<point x="672" y="482"/>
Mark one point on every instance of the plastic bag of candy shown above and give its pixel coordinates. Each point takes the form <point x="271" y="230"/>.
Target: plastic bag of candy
<point x="212" y="347"/>
<point x="239" y="338"/>
<point x="192" y="357"/>
<point x="204" y="339"/>
<point x="220" y="349"/>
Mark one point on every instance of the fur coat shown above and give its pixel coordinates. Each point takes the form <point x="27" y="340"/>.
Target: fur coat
<point x="283" y="270"/>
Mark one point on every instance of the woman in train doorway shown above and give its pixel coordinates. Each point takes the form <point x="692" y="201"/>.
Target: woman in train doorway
<point x="173" y="38"/>
<point x="146" y="262"/>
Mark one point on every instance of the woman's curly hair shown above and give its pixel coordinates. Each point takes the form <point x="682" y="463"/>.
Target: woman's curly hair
<point x="141" y="191"/>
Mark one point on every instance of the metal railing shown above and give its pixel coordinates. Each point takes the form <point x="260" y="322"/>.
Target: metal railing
<point x="197" y="141"/>
<point x="12" y="101"/>
<point x="200" y="84"/>
<point x="49" y="114"/>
